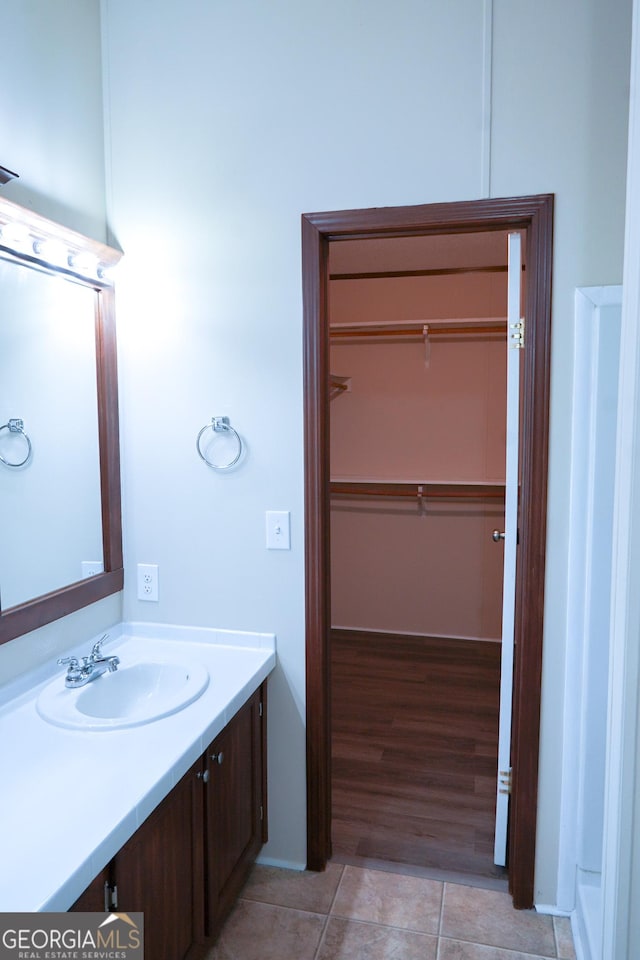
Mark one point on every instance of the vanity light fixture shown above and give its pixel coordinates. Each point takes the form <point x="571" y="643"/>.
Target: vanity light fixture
<point x="52" y="251"/>
<point x="7" y="175"/>
<point x="14" y="234"/>
<point x="105" y="272"/>
<point x="33" y="240"/>
<point x="81" y="261"/>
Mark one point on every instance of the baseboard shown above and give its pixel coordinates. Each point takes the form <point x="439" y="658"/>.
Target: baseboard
<point x="549" y="910"/>
<point x="284" y="864"/>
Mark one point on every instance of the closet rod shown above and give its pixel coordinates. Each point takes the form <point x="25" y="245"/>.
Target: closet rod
<point x="421" y="491"/>
<point x="421" y="329"/>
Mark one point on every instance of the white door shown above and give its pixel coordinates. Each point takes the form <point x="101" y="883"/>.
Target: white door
<point x="510" y="538"/>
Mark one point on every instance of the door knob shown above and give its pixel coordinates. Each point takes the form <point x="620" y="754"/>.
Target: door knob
<point x="497" y="536"/>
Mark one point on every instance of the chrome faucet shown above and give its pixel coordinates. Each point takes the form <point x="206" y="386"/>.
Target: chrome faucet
<point x="80" y="672"/>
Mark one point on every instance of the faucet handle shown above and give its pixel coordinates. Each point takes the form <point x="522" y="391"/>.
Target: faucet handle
<point x="73" y="662"/>
<point x="97" y="647"/>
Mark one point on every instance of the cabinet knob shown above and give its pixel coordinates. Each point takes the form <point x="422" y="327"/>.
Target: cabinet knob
<point x="203" y="776"/>
<point x="497" y="536"/>
<point x="217" y="757"/>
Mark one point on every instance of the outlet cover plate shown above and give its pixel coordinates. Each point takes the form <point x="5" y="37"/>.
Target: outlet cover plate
<point x="148" y="581"/>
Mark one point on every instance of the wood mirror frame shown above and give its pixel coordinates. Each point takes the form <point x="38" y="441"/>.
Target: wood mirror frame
<point x="26" y="237"/>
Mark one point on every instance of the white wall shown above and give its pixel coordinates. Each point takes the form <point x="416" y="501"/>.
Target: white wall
<point x="51" y="134"/>
<point x="222" y="133"/>
<point x="229" y="120"/>
<point x="51" y="125"/>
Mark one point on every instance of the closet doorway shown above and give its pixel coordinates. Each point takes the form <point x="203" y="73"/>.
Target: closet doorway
<point x="442" y="228"/>
<point x="419" y="342"/>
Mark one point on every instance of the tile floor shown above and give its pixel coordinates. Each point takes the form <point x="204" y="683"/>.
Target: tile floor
<point x="351" y="913"/>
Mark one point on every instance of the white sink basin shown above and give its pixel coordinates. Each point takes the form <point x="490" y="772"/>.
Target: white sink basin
<point x="133" y="695"/>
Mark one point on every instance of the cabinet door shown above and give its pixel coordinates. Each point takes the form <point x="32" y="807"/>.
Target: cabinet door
<point x="93" y="898"/>
<point x="159" y="871"/>
<point x="234" y="807"/>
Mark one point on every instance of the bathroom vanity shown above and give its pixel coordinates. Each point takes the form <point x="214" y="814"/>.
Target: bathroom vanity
<point x="163" y="817"/>
<point x="137" y="782"/>
<point x="184" y="867"/>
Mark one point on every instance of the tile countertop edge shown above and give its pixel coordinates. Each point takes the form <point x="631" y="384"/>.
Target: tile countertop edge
<point x="189" y="742"/>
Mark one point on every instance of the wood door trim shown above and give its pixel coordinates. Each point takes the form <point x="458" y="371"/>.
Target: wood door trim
<point x="534" y="216"/>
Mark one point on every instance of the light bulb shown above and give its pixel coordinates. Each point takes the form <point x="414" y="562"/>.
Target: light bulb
<point x="83" y="262"/>
<point x="105" y="272"/>
<point x="52" y="251"/>
<point x="15" y="234"/>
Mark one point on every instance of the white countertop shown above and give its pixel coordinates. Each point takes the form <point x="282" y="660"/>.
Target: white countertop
<point x="71" y="798"/>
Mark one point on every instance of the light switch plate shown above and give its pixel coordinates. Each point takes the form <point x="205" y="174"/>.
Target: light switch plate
<point x="278" y="530"/>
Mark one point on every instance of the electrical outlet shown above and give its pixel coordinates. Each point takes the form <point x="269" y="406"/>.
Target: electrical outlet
<point x="90" y="568"/>
<point x="147" y="581"/>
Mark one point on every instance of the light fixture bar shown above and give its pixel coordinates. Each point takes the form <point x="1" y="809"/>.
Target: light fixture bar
<point x="28" y="235"/>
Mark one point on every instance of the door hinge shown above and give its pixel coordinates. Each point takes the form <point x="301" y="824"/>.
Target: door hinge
<point x="505" y="781"/>
<point x="110" y="897"/>
<point x="260" y="709"/>
<point x="261" y="812"/>
<point x="516" y="335"/>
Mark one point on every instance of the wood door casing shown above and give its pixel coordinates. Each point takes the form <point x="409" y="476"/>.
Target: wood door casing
<point x="534" y="216"/>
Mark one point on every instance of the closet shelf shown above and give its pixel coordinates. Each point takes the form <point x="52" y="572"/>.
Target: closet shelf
<point x="489" y="326"/>
<point x="428" y="490"/>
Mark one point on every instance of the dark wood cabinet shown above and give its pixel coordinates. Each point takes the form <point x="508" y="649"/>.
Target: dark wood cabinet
<point x="235" y="807"/>
<point x="160" y="872"/>
<point x="186" y="864"/>
<point x="96" y="897"/>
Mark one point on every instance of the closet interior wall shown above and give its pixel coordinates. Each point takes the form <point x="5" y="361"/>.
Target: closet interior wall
<point x="419" y="411"/>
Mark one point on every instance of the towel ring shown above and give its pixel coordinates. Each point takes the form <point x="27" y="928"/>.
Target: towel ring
<point x="219" y="425"/>
<point x="15" y="425"/>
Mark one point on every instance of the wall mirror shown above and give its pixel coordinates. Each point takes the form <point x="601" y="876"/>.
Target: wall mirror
<point x="60" y="505"/>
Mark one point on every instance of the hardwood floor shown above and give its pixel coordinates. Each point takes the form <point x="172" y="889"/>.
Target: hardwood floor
<point x="414" y="742"/>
